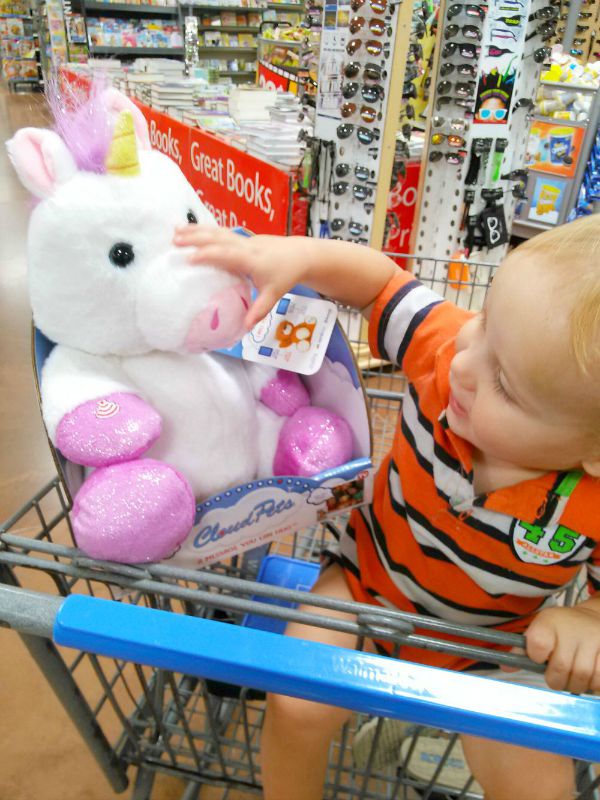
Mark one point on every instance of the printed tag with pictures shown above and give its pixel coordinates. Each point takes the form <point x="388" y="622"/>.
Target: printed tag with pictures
<point x="294" y="335"/>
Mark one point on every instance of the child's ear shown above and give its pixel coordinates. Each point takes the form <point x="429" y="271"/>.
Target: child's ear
<point x="592" y="468"/>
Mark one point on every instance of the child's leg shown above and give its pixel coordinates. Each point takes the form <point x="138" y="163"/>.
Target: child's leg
<point x="508" y="772"/>
<point x="297" y="733"/>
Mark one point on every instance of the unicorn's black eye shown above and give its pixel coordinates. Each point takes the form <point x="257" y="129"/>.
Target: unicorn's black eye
<point x="192" y="219"/>
<point x="121" y="254"/>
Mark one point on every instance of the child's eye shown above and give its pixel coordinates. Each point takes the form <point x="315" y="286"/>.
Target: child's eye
<point x="500" y="389"/>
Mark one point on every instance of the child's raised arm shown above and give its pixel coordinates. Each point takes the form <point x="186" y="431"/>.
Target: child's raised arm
<point x="349" y="273"/>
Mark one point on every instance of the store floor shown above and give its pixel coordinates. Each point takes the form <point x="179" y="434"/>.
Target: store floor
<point x="41" y="755"/>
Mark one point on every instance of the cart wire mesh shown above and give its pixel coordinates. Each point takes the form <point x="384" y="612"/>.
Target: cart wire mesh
<point x="205" y="732"/>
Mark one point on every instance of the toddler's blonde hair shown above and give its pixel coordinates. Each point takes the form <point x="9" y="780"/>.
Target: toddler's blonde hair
<point x="575" y="248"/>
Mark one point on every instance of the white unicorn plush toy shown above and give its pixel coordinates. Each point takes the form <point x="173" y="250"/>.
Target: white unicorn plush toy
<point x="133" y="390"/>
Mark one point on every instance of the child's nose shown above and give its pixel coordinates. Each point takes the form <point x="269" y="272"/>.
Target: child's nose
<point x="463" y="369"/>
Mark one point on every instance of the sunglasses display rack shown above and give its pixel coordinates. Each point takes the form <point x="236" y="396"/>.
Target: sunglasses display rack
<point x="486" y="76"/>
<point x="363" y="44"/>
<point x="578" y="28"/>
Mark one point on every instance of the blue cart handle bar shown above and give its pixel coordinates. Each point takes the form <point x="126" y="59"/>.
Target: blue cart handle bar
<point x="552" y="721"/>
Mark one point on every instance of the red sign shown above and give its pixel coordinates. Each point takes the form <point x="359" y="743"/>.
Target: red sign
<point x="169" y="136"/>
<point x="238" y="188"/>
<point x="401" y="209"/>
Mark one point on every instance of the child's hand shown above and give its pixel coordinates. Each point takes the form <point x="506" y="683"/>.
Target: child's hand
<point x="274" y="264"/>
<point x="569" y="640"/>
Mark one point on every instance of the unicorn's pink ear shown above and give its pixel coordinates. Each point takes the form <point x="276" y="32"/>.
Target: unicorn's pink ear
<point x="41" y="159"/>
<point x="116" y="102"/>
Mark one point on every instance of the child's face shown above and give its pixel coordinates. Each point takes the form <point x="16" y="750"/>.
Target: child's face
<point x="516" y="393"/>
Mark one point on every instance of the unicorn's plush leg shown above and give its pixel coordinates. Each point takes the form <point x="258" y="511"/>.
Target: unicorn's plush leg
<point x="133" y="512"/>
<point x="295" y="438"/>
<point x="311" y="441"/>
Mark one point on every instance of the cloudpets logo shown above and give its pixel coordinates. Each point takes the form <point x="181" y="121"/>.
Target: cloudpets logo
<point x="544" y="546"/>
<point x="265" y="510"/>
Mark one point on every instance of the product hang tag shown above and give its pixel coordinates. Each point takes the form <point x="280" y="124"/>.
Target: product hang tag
<point x="493" y="224"/>
<point x="294" y="335"/>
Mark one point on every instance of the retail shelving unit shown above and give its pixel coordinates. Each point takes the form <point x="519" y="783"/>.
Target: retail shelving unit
<point x="20" y="51"/>
<point x="92" y="8"/>
<point x="220" y="52"/>
<point x="554" y="181"/>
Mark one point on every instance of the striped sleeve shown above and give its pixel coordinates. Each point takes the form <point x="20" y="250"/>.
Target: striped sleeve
<point x="410" y="322"/>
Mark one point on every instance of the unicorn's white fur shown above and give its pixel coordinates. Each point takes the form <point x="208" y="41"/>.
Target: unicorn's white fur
<point x="144" y="329"/>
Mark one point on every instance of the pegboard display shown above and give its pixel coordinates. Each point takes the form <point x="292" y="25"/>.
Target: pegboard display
<point x="485" y="85"/>
<point x="358" y="106"/>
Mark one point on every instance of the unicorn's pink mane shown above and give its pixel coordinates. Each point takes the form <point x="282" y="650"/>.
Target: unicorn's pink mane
<point x="83" y="123"/>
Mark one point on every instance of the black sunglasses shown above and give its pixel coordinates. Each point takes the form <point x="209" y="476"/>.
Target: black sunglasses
<point x="369" y="93"/>
<point x="451" y="158"/>
<point x="470" y="9"/>
<point x="466" y="49"/>
<point x="463" y="69"/>
<point x="468" y="31"/>
<point x="364" y="135"/>
<point x="371" y="71"/>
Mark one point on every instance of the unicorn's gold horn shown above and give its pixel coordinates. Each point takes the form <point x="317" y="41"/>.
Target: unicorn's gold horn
<point x="122" y="158"/>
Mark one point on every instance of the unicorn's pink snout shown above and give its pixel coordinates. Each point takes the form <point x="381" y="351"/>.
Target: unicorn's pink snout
<point x="221" y="324"/>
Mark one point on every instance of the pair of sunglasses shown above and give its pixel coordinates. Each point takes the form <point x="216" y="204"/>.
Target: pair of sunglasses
<point x="377" y="26"/>
<point x="489" y="114"/>
<point x="373" y="47"/>
<point x="369" y="93"/>
<point x="367" y="113"/>
<point x="376" y="6"/>
<point x="545" y="30"/>
<point x="456" y="124"/>
<point x="361" y="173"/>
<point x="364" y="135"/>
<point x="470" y="9"/>
<point x="468" y="31"/>
<point x="551" y="12"/>
<point x="465" y="49"/>
<point x="355" y="228"/>
<point x="457" y="101"/>
<point x="461" y="69"/>
<point x="451" y="158"/>
<point x="461" y="89"/>
<point x="359" y="192"/>
<point x="452" y="138"/>
<point x="371" y="71"/>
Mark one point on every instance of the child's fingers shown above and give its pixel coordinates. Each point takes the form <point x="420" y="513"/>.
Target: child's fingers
<point x="541" y="640"/>
<point x="227" y="257"/>
<point x="260" y="307"/>
<point x="518" y="651"/>
<point x="582" y="669"/>
<point x="595" y="682"/>
<point x="558" y="671"/>
<point x="200" y="234"/>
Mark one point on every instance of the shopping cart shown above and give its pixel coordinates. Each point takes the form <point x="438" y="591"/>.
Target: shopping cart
<point x="165" y="668"/>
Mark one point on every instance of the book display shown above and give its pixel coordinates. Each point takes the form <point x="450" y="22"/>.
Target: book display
<point x="19" y="46"/>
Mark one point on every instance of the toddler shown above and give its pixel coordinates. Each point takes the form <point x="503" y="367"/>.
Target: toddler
<point x="487" y="505"/>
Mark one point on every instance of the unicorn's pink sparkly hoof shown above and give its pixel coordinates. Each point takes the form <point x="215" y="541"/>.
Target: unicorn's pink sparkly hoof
<point x="311" y="441"/>
<point x="134" y="512"/>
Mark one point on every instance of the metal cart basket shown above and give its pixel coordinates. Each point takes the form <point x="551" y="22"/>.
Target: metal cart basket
<point x="165" y="669"/>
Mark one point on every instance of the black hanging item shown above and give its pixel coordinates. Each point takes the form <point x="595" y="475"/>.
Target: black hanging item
<point x="493" y="224"/>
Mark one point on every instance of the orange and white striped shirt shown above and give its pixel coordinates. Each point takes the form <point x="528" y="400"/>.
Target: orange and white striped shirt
<point x="427" y="543"/>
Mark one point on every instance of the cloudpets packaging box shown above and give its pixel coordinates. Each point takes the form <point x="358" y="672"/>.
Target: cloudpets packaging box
<point x="300" y="334"/>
